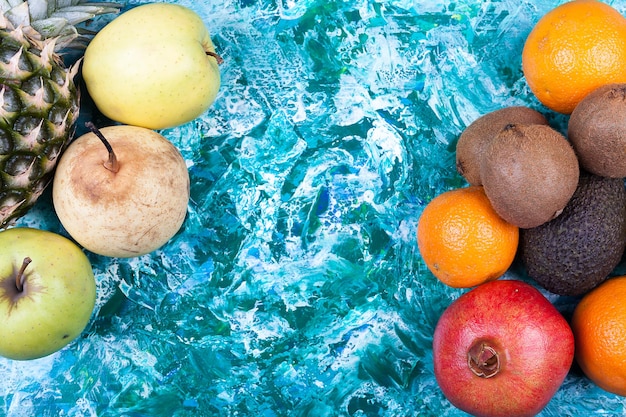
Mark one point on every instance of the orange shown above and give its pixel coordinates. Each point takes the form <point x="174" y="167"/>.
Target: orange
<point x="599" y="326"/>
<point x="463" y="241"/>
<point x="572" y="50"/>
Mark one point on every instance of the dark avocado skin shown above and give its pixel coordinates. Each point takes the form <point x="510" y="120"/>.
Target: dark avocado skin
<point x="576" y="251"/>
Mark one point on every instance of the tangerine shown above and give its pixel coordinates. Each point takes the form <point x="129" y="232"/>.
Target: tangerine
<point x="572" y="50"/>
<point x="599" y="327"/>
<point x="463" y="241"/>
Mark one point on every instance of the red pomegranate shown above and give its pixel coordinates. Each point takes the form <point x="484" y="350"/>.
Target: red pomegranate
<point x="502" y="349"/>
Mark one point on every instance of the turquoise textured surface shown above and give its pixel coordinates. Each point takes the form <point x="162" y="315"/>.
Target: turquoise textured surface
<point x="295" y="287"/>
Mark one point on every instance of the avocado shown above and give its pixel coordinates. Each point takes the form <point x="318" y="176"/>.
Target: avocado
<point x="576" y="251"/>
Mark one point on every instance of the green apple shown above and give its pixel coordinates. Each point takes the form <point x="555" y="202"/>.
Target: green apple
<point x="121" y="191"/>
<point x="153" y="66"/>
<point x="47" y="292"/>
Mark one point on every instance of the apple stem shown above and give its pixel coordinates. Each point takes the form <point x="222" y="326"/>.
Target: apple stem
<point x="111" y="164"/>
<point x="20" y="277"/>
<point x="483" y="360"/>
<point x="218" y="58"/>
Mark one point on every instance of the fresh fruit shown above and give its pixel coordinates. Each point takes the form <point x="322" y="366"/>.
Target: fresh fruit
<point x="529" y="173"/>
<point x="572" y="50"/>
<point x="38" y="99"/>
<point x="599" y="326"/>
<point x="122" y="191"/>
<point x="47" y="292"/>
<point x="502" y="349"/>
<point x="597" y="131"/>
<point x="462" y="240"/>
<point x="575" y="252"/>
<point x="480" y="132"/>
<point x="153" y="66"/>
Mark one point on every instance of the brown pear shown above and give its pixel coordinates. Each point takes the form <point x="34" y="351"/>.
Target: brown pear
<point x="122" y="191"/>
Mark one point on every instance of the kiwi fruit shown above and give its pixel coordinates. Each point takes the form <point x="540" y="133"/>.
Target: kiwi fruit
<point x="597" y="131"/>
<point x="474" y="138"/>
<point x="575" y="252"/>
<point x="529" y="173"/>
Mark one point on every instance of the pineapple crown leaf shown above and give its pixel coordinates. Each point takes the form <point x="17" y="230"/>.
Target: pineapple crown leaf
<point x="54" y="18"/>
<point x="25" y="35"/>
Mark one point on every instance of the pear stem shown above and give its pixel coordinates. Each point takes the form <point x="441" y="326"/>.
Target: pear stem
<point x="218" y="58"/>
<point x="111" y="164"/>
<point x="20" y="277"/>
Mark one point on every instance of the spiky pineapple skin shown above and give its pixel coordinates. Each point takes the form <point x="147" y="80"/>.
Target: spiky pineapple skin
<point x="39" y="103"/>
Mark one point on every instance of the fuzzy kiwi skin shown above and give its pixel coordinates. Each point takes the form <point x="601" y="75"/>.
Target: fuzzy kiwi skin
<point x="529" y="173"/>
<point x="575" y="252"/>
<point x="597" y="131"/>
<point x="476" y="136"/>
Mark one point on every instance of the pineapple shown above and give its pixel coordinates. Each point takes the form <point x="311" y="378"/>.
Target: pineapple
<point x="39" y="101"/>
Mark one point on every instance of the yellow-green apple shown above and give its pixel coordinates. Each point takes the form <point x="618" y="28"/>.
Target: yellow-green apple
<point x="121" y="191"/>
<point x="47" y="292"/>
<point x="153" y="66"/>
